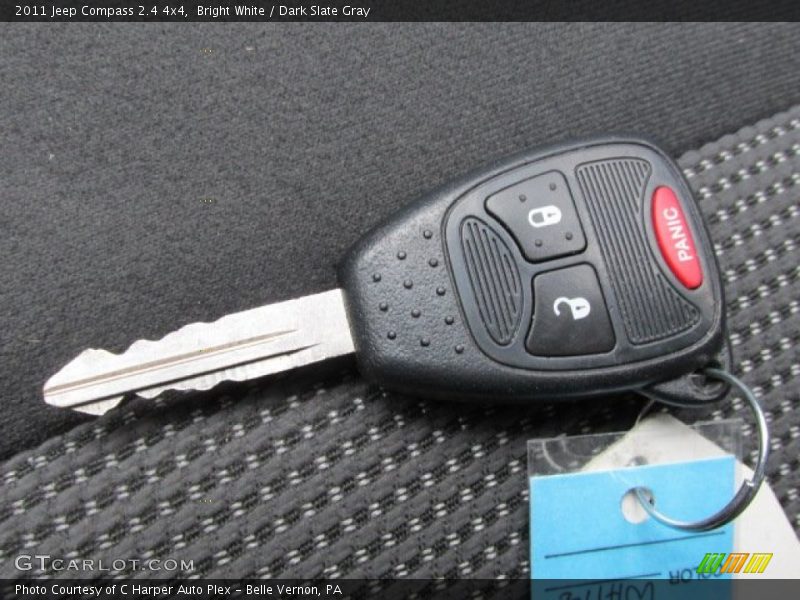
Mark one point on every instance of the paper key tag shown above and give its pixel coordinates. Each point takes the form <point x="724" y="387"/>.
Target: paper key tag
<point x="762" y="529"/>
<point x="586" y="536"/>
<point x="579" y="530"/>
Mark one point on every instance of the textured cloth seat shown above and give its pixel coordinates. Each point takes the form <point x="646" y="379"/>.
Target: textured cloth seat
<point x="317" y="474"/>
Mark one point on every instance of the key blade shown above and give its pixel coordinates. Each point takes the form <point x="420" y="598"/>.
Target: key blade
<point x="198" y="356"/>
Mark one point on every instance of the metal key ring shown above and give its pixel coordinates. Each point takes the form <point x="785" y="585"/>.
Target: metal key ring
<point x="749" y="487"/>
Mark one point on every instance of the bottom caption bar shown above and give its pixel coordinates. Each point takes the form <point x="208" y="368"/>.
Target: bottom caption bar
<point x="390" y="589"/>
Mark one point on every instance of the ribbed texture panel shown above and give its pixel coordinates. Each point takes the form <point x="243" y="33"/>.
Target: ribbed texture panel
<point x="652" y="309"/>
<point x="495" y="279"/>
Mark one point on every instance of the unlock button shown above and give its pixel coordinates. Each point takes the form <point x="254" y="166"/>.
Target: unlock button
<point x="570" y="317"/>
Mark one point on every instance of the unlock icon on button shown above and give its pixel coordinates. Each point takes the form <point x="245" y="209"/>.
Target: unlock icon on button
<point x="579" y="307"/>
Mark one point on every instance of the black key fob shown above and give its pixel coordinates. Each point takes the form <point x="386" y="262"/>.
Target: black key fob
<point x="574" y="270"/>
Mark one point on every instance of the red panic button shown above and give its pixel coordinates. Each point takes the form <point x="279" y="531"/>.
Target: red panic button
<point x="675" y="238"/>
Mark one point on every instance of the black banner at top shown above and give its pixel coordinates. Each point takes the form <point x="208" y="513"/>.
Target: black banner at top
<point x="153" y="11"/>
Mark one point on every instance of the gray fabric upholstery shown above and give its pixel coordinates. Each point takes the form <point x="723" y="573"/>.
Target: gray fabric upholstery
<point x="339" y="479"/>
<point x="154" y="175"/>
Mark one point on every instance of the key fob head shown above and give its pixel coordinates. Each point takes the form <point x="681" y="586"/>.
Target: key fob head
<point x="575" y="270"/>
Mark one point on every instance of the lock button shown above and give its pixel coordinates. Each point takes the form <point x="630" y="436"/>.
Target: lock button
<point x="570" y="317"/>
<point x="540" y="213"/>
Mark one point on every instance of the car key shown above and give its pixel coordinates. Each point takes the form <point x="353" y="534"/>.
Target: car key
<point x="574" y="270"/>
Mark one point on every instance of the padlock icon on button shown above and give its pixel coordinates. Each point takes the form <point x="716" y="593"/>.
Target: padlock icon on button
<point x="579" y="307"/>
<point x="544" y="216"/>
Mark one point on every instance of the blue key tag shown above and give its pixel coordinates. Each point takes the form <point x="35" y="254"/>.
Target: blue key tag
<point x="591" y="538"/>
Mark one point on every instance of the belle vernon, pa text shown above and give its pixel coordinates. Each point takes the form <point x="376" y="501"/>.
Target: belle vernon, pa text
<point x="279" y="10"/>
<point x="141" y="590"/>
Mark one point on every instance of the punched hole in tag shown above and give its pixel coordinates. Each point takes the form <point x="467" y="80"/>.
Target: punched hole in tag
<point x="631" y="502"/>
<point x="632" y="508"/>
